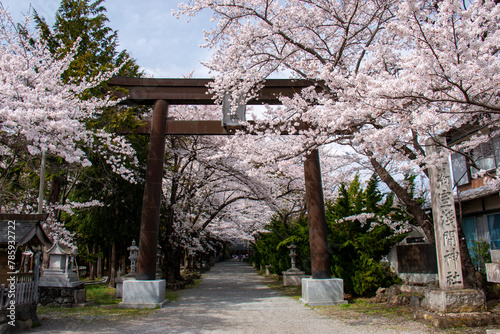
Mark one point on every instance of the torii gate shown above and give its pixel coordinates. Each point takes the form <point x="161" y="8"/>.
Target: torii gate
<point x="163" y="92"/>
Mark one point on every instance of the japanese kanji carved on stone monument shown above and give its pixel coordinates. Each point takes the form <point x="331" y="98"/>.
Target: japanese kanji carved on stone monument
<point x="451" y="297"/>
<point x="445" y="226"/>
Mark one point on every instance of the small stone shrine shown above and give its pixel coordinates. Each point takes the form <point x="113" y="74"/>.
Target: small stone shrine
<point x="293" y="276"/>
<point x="451" y="297"/>
<point x="59" y="286"/>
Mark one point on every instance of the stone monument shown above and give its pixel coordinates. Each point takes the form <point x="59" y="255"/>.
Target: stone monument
<point x="451" y="297"/>
<point x="293" y="276"/>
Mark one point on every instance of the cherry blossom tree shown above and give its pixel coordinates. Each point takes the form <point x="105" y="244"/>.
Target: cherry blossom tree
<point x="435" y="69"/>
<point x="386" y="76"/>
<point x="37" y="108"/>
<point x="43" y="111"/>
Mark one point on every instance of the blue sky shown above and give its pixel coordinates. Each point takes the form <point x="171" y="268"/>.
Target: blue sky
<point x="164" y="46"/>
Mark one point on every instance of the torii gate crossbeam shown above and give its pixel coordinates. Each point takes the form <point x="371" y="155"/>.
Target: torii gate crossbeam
<point x="162" y="92"/>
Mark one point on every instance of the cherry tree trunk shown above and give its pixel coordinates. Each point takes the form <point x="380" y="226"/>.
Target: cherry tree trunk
<point x="100" y="263"/>
<point x="92" y="265"/>
<point x="171" y="267"/>
<point x="411" y="205"/>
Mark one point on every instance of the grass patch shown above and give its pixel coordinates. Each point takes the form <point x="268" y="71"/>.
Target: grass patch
<point x="364" y="306"/>
<point x="172" y="295"/>
<point x="102" y="294"/>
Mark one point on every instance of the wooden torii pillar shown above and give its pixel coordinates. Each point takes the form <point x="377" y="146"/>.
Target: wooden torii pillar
<point x="164" y="92"/>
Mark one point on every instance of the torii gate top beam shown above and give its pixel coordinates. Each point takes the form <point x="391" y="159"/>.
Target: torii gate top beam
<point x="146" y="91"/>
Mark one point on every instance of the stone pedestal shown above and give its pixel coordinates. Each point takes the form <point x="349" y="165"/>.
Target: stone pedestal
<point x="62" y="296"/>
<point x="455" y="301"/>
<point x="293" y="277"/>
<point x="322" y="292"/>
<point x="143" y="294"/>
<point x="25" y="318"/>
<point x="55" y="278"/>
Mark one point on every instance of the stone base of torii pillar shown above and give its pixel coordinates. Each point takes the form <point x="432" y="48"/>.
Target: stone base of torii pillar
<point x="143" y="294"/>
<point x="323" y="292"/>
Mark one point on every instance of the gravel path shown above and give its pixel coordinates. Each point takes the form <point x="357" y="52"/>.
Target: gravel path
<point x="233" y="298"/>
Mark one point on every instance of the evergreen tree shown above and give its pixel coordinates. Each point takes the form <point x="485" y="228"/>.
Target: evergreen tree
<point x="271" y="247"/>
<point x="85" y="21"/>
<point x="361" y="235"/>
<point x="363" y="225"/>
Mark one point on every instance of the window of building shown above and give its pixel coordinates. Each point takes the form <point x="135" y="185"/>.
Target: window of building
<point x="469" y="228"/>
<point x="494" y="227"/>
<point x="459" y="168"/>
<point x="486" y="156"/>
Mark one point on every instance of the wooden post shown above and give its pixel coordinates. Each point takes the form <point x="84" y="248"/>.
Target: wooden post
<point x="150" y="219"/>
<point x="320" y="258"/>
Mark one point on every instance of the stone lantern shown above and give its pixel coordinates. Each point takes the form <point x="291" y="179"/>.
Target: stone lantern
<point x="134" y="253"/>
<point x="293" y="276"/>
<point x="293" y="255"/>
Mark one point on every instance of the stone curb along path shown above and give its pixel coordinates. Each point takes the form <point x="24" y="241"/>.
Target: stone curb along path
<point x="233" y="298"/>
